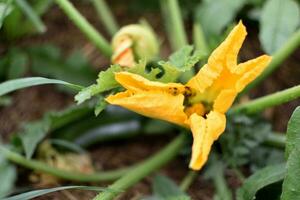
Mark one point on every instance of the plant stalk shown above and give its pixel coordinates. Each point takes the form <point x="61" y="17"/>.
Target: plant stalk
<point x="32" y="15"/>
<point x="106" y="16"/>
<point x="188" y="180"/>
<point x="67" y="175"/>
<point x="279" y="57"/>
<point x="276" y="140"/>
<point x="143" y="169"/>
<point x="91" y="33"/>
<point x="172" y="13"/>
<point x="262" y="103"/>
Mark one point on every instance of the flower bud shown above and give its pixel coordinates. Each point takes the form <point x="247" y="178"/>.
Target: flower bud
<point x="132" y="43"/>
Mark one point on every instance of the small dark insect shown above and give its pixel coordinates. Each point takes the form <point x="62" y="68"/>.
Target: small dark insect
<point x="174" y="90"/>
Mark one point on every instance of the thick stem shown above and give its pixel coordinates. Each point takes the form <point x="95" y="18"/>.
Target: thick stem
<point x="268" y="101"/>
<point x="106" y="16"/>
<point x="285" y="51"/>
<point x="91" y="33"/>
<point x="67" y="175"/>
<point x="177" y="32"/>
<point x="145" y="168"/>
<point x="276" y="140"/>
<point x="188" y="180"/>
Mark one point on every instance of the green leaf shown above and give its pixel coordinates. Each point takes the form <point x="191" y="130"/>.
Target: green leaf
<point x="34" y="132"/>
<point x="37" y="193"/>
<point x="100" y="106"/>
<point x="279" y="19"/>
<point x="179" y="62"/>
<point x="16" y="84"/>
<point x="293" y="132"/>
<point x="291" y="183"/>
<point x="259" y="180"/>
<point x="17" y="65"/>
<point x="106" y="81"/>
<point x="243" y="135"/>
<point x="165" y="188"/>
<point x="141" y="69"/>
<point x="215" y="15"/>
<point x="7" y="176"/>
<point x="5" y="9"/>
<point x="47" y="60"/>
<point x="180" y="57"/>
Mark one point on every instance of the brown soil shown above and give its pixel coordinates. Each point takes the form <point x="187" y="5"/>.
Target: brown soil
<point x="30" y="104"/>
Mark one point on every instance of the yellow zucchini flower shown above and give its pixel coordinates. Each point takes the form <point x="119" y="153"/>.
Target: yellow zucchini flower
<point x="200" y="104"/>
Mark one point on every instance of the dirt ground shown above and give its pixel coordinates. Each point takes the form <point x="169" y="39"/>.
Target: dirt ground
<point x="30" y="104"/>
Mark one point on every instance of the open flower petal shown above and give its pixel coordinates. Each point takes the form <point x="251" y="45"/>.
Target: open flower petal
<point x="205" y="132"/>
<point x="136" y="83"/>
<point x="224" y="100"/>
<point x="153" y="104"/>
<point x="224" y="56"/>
<point x="251" y="69"/>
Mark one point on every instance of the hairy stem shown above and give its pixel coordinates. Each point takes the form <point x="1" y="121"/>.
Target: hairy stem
<point x="91" y="33"/>
<point x="67" y="175"/>
<point x="274" y="99"/>
<point x="174" y="22"/>
<point x="285" y="51"/>
<point x="188" y="180"/>
<point x="106" y="16"/>
<point x="143" y="169"/>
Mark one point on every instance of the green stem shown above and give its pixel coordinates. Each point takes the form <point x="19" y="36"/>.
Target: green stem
<point x="188" y="180"/>
<point x="67" y="175"/>
<point x="276" y="140"/>
<point x="268" y="101"/>
<point x="285" y="51"/>
<point x="91" y="33"/>
<point x="32" y="15"/>
<point x="143" y="169"/>
<point x="106" y="16"/>
<point x="173" y="15"/>
<point x="199" y="39"/>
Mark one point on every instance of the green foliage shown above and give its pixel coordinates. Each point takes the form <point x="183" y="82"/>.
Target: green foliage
<point x="100" y="106"/>
<point x="37" y="193"/>
<point x="215" y="172"/>
<point x="214" y="16"/>
<point x="24" y="18"/>
<point x="166" y="189"/>
<point x="33" y="133"/>
<point x="8" y="175"/>
<point x="291" y="183"/>
<point x="242" y="136"/>
<point x="279" y="20"/>
<point x="293" y="132"/>
<point x="16" y="84"/>
<point x="259" y="180"/>
<point x="14" y="64"/>
<point x="106" y="81"/>
<point x="5" y="101"/>
<point x="31" y="15"/>
<point x="5" y="9"/>
<point x="47" y="60"/>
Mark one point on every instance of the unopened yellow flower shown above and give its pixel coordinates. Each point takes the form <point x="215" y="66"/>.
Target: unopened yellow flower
<point x="201" y="103"/>
<point x="132" y="43"/>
